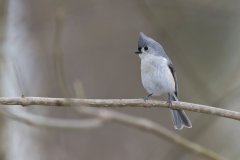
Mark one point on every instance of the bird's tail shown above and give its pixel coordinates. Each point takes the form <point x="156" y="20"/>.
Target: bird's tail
<point x="180" y="118"/>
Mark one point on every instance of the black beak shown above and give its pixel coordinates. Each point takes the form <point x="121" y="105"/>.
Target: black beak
<point x="137" y="52"/>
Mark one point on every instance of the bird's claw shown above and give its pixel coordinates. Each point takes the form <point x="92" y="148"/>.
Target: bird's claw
<point x="145" y="98"/>
<point x="169" y="101"/>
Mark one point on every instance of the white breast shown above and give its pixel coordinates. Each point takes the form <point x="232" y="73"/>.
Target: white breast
<point x="156" y="75"/>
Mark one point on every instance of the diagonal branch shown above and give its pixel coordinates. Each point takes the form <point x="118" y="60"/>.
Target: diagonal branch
<point x="151" y="127"/>
<point x="26" y="101"/>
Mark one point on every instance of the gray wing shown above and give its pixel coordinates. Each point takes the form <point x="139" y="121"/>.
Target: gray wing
<point x="170" y="65"/>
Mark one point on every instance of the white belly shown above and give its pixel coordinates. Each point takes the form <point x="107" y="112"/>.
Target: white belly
<point x="156" y="75"/>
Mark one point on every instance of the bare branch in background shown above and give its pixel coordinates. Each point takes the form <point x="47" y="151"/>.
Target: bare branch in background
<point x="44" y="101"/>
<point x="52" y="123"/>
<point x="151" y="127"/>
<point x="57" y="48"/>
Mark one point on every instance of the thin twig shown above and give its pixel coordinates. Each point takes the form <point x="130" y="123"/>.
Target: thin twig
<point x="57" y="48"/>
<point x="44" y="101"/>
<point x="52" y="123"/>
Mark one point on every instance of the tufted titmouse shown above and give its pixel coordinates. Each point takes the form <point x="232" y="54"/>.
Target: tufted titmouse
<point x="159" y="77"/>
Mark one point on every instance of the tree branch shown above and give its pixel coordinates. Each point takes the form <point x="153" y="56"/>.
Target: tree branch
<point x="52" y="123"/>
<point x="106" y="115"/>
<point x="26" y="101"/>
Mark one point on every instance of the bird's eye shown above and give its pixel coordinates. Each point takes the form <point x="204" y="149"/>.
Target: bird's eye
<point x="139" y="48"/>
<point x="145" y="48"/>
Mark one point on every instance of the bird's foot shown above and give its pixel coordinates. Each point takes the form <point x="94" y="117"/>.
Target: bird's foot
<point x="169" y="100"/>
<point x="145" y="98"/>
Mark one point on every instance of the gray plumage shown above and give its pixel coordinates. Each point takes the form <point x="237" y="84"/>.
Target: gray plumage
<point x="159" y="77"/>
<point x="147" y="41"/>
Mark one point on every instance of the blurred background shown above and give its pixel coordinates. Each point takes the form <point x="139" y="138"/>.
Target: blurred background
<point x="94" y="42"/>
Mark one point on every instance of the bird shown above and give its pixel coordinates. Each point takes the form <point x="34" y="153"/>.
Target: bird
<point x="159" y="77"/>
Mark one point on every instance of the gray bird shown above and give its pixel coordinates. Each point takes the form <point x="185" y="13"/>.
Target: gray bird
<point x="159" y="77"/>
